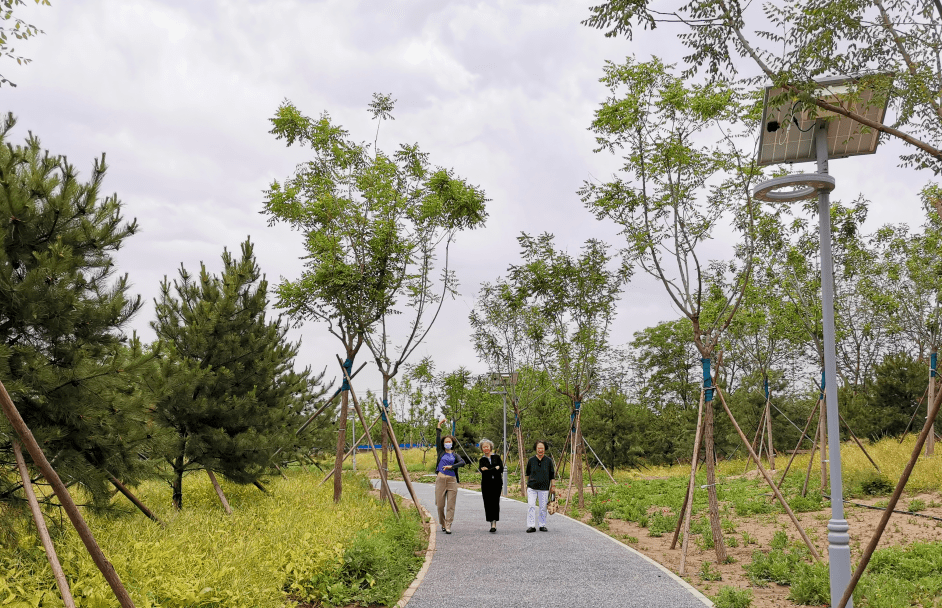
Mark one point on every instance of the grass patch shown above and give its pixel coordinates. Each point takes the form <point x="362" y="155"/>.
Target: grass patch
<point x="731" y="597"/>
<point x="293" y="541"/>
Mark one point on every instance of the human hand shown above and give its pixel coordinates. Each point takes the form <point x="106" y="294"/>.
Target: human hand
<point x="447" y="466"/>
<point x="483" y="468"/>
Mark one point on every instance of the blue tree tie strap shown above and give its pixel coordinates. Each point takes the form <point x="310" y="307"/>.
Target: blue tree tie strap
<point x="382" y="412"/>
<point x="766" y="389"/>
<point x="821" y="396"/>
<point x="575" y="412"/>
<point x="707" y="380"/>
<point x="347" y="368"/>
<point x="516" y="421"/>
<point x="933" y="359"/>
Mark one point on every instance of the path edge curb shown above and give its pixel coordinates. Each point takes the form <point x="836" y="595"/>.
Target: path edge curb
<point x="693" y="590"/>
<point x="429" y="553"/>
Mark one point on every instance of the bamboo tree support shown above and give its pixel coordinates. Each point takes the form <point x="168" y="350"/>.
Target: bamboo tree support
<point x="57" y="572"/>
<point x="384" y="483"/>
<point x="814" y="446"/>
<point x="857" y="441"/>
<point x="599" y="459"/>
<point x="259" y="485"/>
<point x="88" y="539"/>
<point x="769" y="480"/>
<point x="319" y="410"/>
<point x="770" y="451"/>
<point x="588" y="467"/>
<point x="137" y="503"/>
<point x="804" y="433"/>
<point x="680" y="517"/>
<point x="755" y="443"/>
<point x="219" y="493"/>
<point x="894" y="499"/>
<point x="392" y="434"/>
<point x="685" y="515"/>
<point x="350" y="451"/>
<point x="913" y="417"/>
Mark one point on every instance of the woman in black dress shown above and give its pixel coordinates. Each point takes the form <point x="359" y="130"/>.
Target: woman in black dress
<point x="492" y="480"/>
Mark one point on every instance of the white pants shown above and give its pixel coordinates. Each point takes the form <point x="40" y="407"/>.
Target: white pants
<point x="531" y="512"/>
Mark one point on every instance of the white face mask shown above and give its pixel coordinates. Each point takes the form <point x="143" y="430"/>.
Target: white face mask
<point x="447" y="445"/>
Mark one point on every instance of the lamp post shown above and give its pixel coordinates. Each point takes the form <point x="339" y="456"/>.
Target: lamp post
<point x="791" y="136"/>
<point x="503" y="380"/>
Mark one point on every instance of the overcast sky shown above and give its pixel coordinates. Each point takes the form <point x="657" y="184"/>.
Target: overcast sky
<point x="178" y="93"/>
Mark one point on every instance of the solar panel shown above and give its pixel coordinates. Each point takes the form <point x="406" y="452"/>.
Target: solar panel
<point x="787" y="134"/>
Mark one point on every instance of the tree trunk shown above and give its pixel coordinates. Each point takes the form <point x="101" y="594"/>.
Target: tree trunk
<point x="521" y="453"/>
<point x="177" y="486"/>
<point x="384" y="461"/>
<point x="54" y="564"/>
<point x="577" y="463"/>
<point x="341" y="444"/>
<point x="717" y="529"/>
<point x="930" y="438"/>
<point x="768" y="422"/>
<point x="62" y="493"/>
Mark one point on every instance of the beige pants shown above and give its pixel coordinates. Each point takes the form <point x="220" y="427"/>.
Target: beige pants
<point x="446" y="490"/>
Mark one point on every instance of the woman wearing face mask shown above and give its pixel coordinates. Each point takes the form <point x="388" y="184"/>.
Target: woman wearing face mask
<point x="492" y="471"/>
<point x="446" y="482"/>
<point x="540" y="475"/>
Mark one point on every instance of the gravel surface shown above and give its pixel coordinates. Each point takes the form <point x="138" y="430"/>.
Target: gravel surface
<point x="570" y="565"/>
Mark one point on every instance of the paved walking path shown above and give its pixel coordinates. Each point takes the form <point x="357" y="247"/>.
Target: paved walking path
<point x="571" y="565"/>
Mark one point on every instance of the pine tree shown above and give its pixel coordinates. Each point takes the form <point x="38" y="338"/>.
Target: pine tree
<point x="64" y="356"/>
<point x="231" y="395"/>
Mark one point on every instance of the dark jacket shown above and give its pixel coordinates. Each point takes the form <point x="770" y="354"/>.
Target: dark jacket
<point x="440" y="451"/>
<point x="540" y="472"/>
<point x="494" y="475"/>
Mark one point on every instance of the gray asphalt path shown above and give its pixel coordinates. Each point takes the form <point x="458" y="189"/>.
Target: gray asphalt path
<point x="570" y="565"/>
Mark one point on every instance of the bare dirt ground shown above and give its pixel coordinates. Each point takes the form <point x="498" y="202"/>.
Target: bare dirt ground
<point x="900" y="531"/>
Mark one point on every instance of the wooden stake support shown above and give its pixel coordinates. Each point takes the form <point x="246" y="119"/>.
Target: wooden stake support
<point x="57" y="572"/>
<point x="71" y="509"/>
<point x="399" y="457"/>
<point x="351" y="450"/>
<point x="894" y="499"/>
<point x="690" y="486"/>
<point x="804" y="433"/>
<point x="137" y="503"/>
<point x="769" y="480"/>
<point x="222" y="497"/>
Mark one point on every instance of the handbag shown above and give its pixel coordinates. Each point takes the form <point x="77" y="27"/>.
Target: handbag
<point x="553" y="505"/>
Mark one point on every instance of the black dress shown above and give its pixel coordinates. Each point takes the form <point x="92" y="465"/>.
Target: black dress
<point x="492" y="480"/>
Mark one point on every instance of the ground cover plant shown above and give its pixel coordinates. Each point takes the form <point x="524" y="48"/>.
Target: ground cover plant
<point x="292" y="545"/>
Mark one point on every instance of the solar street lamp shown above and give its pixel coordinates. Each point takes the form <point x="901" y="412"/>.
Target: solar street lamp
<point x="503" y="381"/>
<point x="794" y="131"/>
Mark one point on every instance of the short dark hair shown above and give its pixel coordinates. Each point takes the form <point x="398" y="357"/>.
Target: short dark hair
<point x="539" y="441"/>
